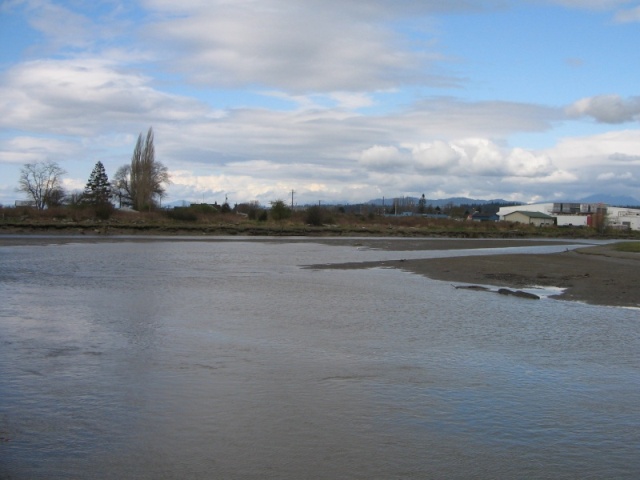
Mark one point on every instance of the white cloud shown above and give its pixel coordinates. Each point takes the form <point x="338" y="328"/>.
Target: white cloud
<point x="555" y="177"/>
<point x="596" y="150"/>
<point x="84" y="96"/>
<point x="466" y="158"/>
<point x="481" y="157"/>
<point x="382" y="157"/>
<point x="607" y="108"/>
<point x="527" y="164"/>
<point x="435" y="156"/>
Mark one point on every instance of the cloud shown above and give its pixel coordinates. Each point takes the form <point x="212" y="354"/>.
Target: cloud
<point x="628" y="15"/>
<point x="382" y="158"/>
<point x="607" y="108"/>
<point x="329" y="67"/>
<point x="595" y="163"/>
<point x="61" y="26"/>
<point x="69" y="27"/>
<point x="476" y="157"/>
<point x="310" y="47"/>
<point x="445" y="117"/>
<point x="596" y="150"/>
<point x="435" y="156"/>
<point x="27" y="149"/>
<point x="610" y="176"/>
<point x="624" y="158"/>
<point x="84" y="96"/>
<point x="527" y="164"/>
<point x="556" y="177"/>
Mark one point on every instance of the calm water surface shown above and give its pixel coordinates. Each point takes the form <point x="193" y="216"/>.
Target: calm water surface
<point x="200" y="360"/>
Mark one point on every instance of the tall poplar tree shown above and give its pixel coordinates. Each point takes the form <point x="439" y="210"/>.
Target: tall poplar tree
<point x="143" y="181"/>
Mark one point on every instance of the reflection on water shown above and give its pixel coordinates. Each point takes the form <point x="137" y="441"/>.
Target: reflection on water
<point x="227" y="360"/>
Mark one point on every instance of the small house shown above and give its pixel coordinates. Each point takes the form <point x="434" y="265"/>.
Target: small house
<point x="538" y="219"/>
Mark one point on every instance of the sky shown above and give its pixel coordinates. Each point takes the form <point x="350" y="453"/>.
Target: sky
<point x="338" y="101"/>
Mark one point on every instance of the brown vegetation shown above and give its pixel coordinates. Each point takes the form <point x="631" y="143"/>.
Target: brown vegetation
<point x="204" y="219"/>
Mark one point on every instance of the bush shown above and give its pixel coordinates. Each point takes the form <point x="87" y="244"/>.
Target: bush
<point x="104" y="211"/>
<point x="183" y="214"/>
<point x="256" y="213"/>
<point x="314" y="216"/>
<point x="199" y="208"/>
<point x="279" y="211"/>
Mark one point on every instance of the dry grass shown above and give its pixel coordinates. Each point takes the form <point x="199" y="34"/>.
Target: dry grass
<point x="633" y="247"/>
<point x="335" y="223"/>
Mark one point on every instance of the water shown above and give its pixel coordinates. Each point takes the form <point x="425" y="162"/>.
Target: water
<point x="227" y="360"/>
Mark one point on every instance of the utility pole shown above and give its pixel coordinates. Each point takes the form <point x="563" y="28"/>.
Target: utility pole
<point x="292" y="192"/>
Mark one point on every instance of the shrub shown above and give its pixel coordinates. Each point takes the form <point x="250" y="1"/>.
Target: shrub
<point x="104" y="211"/>
<point x="279" y="211"/>
<point x="199" y="208"/>
<point x="314" y="216"/>
<point x="183" y="214"/>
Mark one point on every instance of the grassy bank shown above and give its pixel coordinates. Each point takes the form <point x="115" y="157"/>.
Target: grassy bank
<point x="68" y="220"/>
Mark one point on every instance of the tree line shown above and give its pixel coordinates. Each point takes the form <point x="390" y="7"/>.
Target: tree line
<point x="141" y="184"/>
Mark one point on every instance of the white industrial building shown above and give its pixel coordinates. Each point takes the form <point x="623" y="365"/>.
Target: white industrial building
<point x="580" y="214"/>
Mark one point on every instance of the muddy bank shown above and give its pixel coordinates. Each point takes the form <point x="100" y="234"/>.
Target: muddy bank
<point x="596" y="275"/>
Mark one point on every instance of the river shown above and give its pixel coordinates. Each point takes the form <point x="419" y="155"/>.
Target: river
<point x="202" y="360"/>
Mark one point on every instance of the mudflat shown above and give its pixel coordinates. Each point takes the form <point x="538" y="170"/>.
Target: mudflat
<point x="597" y="275"/>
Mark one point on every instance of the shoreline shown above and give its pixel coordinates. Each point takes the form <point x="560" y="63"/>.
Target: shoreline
<point x="597" y="275"/>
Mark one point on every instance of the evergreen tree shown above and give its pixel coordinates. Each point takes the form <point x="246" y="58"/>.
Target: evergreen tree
<point x="422" y="204"/>
<point x="98" y="188"/>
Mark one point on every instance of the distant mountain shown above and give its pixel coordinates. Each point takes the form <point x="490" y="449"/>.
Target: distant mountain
<point x="455" y="201"/>
<point x="613" y="200"/>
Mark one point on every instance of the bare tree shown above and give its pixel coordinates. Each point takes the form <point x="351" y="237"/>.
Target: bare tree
<point x="143" y="181"/>
<point x="42" y="181"/>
